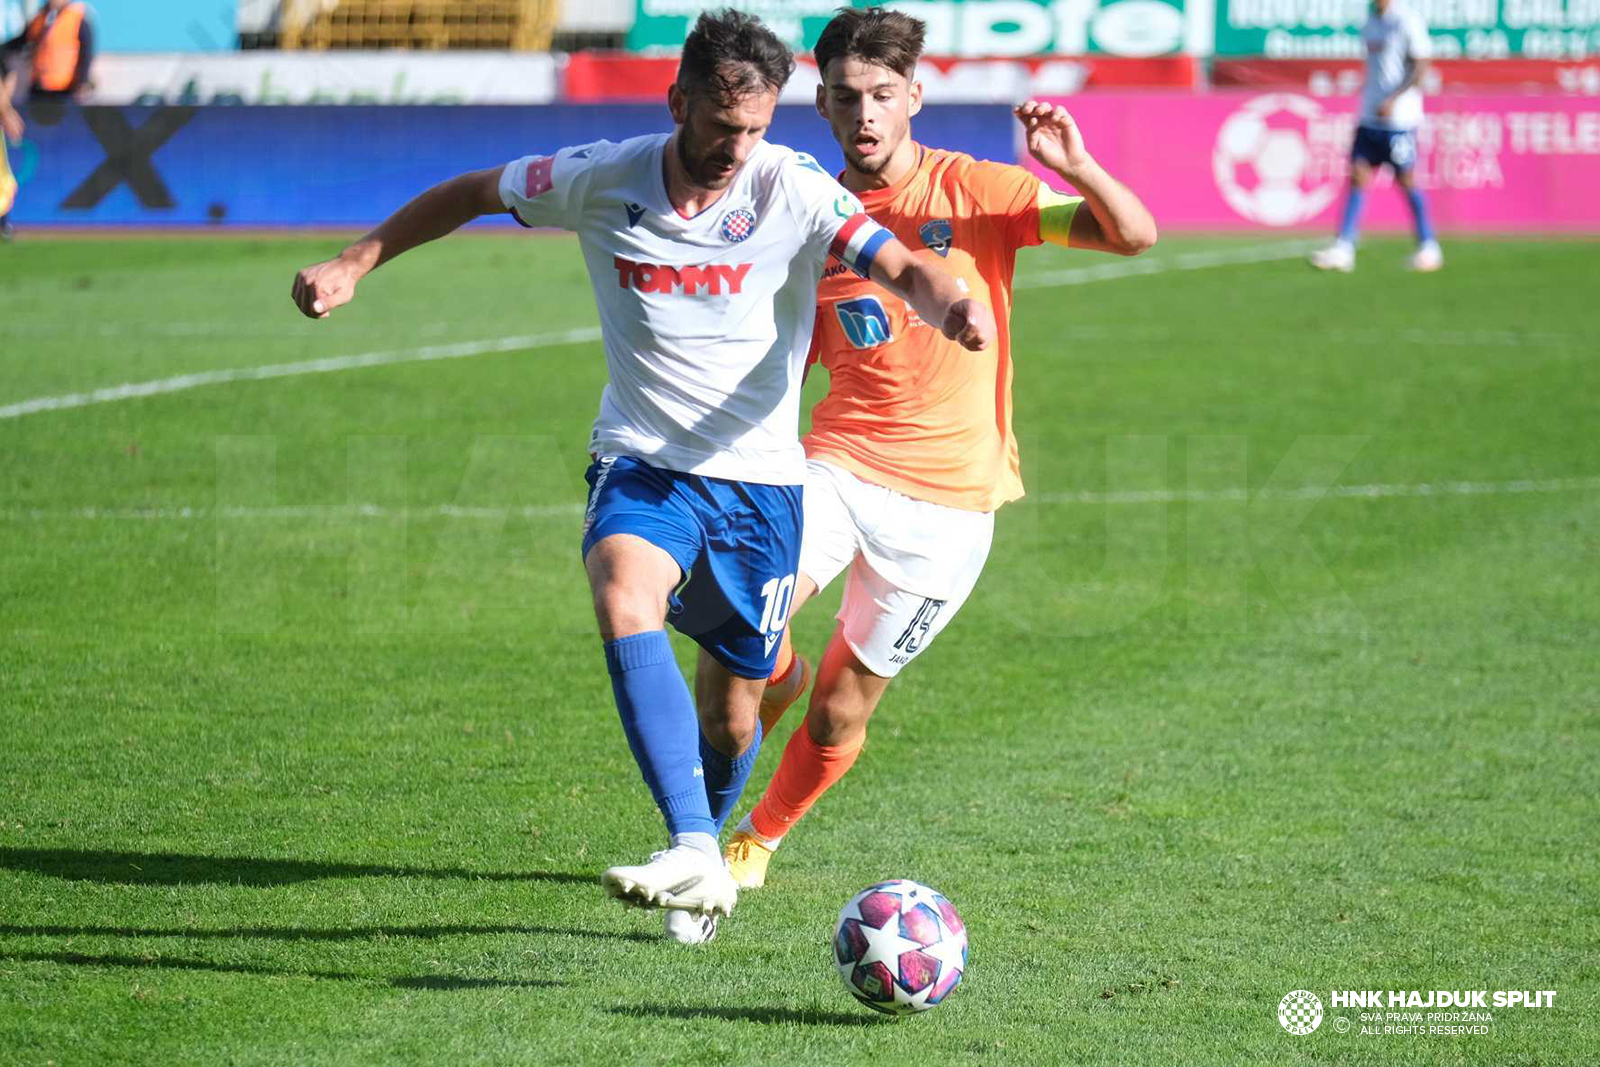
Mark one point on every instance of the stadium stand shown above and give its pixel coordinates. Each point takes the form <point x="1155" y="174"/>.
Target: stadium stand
<point x="505" y="25"/>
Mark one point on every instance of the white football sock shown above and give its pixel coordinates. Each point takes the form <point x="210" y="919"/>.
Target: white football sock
<point x="700" y="842"/>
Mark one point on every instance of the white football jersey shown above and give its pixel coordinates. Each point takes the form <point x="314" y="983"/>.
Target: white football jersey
<point x="1394" y="41"/>
<point x="706" y="321"/>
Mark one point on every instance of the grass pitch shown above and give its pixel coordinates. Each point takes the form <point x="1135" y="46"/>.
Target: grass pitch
<point x="309" y="753"/>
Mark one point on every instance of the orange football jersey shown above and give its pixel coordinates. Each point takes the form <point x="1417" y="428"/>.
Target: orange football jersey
<point x="907" y="408"/>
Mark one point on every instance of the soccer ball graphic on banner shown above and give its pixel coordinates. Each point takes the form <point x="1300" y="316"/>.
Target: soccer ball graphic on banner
<point x="1270" y="162"/>
<point x="900" y="947"/>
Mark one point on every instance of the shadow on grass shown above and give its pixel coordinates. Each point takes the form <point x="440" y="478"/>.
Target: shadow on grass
<point x="337" y="933"/>
<point x="164" y="868"/>
<point x="804" y="1017"/>
<point x="422" y="981"/>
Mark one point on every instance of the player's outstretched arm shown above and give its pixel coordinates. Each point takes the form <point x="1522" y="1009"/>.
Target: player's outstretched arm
<point x="935" y="295"/>
<point x="1117" y="220"/>
<point x="443" y="209"/>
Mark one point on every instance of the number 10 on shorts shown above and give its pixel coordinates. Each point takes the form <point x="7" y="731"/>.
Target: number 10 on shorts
<point x="776" y="597"/>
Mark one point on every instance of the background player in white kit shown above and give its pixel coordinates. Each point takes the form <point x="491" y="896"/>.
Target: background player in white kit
<point x="704" y="249"/>
<point x="1396" y="39"/>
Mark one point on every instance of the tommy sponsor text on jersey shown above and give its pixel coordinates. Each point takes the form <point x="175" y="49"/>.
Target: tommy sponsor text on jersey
<point x="705" y="321"/>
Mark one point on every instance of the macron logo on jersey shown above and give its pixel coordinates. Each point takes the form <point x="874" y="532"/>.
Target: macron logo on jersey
<point x="660" y="278"/>
<point x="865" y="323"/>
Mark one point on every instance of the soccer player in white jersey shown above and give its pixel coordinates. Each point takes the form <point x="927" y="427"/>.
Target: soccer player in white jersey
<point x="1396" y="39"/>
<point x="704" y="248"/>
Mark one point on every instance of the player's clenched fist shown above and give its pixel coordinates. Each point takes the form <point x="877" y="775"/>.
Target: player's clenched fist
<point x="971" y="324"/>
<point x="324" y="286"/>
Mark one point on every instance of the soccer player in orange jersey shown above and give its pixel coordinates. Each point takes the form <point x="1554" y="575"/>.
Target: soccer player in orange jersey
<point x="912" y="450"/>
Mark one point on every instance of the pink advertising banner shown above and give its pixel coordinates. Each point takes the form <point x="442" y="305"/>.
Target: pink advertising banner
<point x="1238" y="161"/>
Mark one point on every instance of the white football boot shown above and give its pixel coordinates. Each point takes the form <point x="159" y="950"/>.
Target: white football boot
<point x="681" y="878"/>
<point x="1339" y="256"/>
<point x="1427" y="258"/>
<point x="687" y="928"/>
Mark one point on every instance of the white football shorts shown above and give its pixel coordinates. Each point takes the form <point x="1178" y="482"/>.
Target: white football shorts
<point x="912" y="563"/>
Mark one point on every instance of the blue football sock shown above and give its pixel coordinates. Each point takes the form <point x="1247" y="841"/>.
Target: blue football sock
<point x="1419" y="212"/>
<point x="1350" y="227"/>
<point x="658" y="718"/>
<point x="726" y="776"/>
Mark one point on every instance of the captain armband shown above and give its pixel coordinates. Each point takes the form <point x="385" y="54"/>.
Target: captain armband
<point x="1055" y="215"/>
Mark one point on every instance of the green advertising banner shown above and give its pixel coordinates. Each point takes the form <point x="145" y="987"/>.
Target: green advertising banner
<point x="986" y="28"/>
<point x="1461" y="29"/>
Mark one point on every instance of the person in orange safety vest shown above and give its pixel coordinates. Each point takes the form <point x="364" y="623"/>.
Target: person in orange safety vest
<point x="50" y="59"/>
<point x="60" y="39"/>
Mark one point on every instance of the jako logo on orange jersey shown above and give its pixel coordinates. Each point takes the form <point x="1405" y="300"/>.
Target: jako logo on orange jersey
<point x="660" y="278"/>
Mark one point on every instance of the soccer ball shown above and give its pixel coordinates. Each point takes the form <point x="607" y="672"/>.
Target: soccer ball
<point x="900" y="947"/>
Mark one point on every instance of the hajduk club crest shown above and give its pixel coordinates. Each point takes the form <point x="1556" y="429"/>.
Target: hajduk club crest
<point x="737" y="224"/>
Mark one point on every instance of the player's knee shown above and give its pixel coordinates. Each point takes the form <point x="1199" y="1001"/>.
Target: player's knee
<point x="731" y="729"/>
<point x="838" y="718"/>
<point x="622" y="611"/>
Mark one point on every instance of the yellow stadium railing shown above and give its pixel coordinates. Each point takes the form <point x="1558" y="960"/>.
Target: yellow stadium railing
<point x="515" y="25"/>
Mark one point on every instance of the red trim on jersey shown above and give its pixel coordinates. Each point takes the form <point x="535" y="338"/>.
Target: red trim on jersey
<point x="842" y="239"/>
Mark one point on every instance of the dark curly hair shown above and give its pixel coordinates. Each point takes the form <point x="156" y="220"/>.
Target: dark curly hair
<point x="729" y="55"/>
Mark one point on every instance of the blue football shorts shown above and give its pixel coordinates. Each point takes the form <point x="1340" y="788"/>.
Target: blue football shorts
<point x="737" y="543"/>
<point x="1397" y="148"/>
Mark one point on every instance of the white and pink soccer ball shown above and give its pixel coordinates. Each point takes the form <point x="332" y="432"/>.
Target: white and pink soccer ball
<point x="900" y="947"/>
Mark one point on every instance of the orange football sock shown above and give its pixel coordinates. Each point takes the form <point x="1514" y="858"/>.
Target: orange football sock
<point x="785" y="661"/>
<point x="805" y="773"/>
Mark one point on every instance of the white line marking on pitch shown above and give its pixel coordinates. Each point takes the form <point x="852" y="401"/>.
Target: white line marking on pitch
<point x="1115" y="497"/>
<point x="1201" y="260"/>
<point x="1312" y="492"/>
<point x="428" y="353"/>
<point x="1413" y="336"/>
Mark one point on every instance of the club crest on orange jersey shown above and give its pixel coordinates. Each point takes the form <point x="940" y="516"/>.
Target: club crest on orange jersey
<point x="938" y="235"/>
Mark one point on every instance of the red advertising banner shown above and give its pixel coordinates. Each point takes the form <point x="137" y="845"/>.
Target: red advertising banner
<point x="1237" y="161"/>
<point x="620" y="78"/>
<point x="1342" y="77"/>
